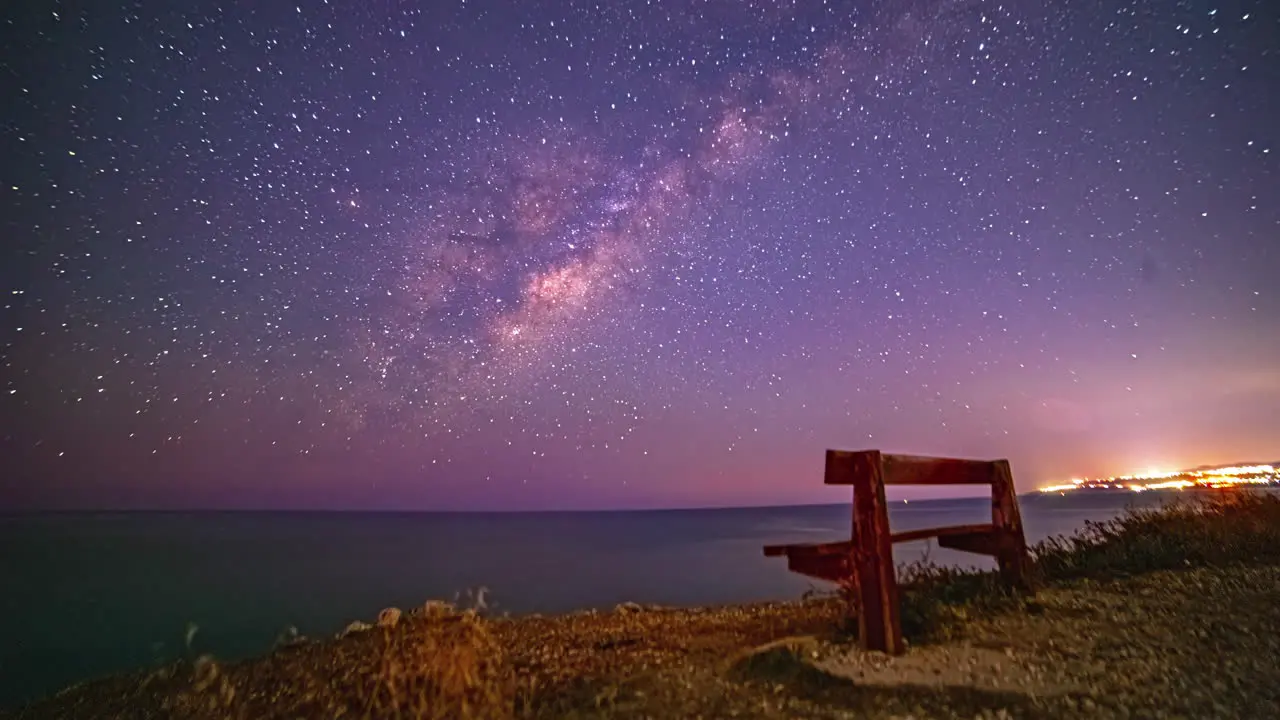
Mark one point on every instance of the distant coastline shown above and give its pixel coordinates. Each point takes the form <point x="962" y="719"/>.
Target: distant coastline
<point x="1259" y="475"/>
<point x="467" y="513"/>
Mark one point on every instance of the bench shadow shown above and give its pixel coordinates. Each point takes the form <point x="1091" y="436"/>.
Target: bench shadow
<point x="784" y="671"/>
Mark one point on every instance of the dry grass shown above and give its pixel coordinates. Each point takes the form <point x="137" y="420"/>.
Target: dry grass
<point x="430" y="667"/>
<point x="454" y="670"/>
<point x="445" y="664"/>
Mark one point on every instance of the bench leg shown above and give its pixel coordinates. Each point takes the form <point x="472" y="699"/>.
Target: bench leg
<point x="1012" y="554"/>
<point x="879" y="620"/>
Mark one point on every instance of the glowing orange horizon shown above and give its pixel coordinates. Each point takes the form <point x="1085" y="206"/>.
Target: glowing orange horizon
<point x="1177" y="479"/>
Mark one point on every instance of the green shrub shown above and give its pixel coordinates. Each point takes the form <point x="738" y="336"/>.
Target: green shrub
<point x="1232" y="528"/>
<point x="1235" y="528"/>
<point x="936" y="600"/>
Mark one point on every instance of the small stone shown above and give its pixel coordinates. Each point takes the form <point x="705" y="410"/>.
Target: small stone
<point x="355" y="627"/>
<point x="290" y="638"/>
<point x="206" y="672"/>
<point x="437" y="609"/>
<point x="389" y="618"/>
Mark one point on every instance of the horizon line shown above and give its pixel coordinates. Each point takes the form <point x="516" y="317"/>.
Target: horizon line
<point x="424" y="511"/>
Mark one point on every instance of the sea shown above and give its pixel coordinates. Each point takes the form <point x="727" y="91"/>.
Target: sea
<point x="88" y="594"/>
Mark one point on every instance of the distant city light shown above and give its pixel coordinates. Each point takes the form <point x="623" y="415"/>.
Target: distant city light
<point x="1176" y="479"/>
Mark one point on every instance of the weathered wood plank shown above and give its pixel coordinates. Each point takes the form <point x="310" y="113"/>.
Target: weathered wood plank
<point x="832" y="568"/>
<point x="925" y="533"/>
<point x="842" y="466"/>
<point x="840" y="547"/>
<point x="990" y="542"/>
<point x="917" y="470"/>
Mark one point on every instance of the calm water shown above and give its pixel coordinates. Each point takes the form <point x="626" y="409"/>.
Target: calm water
<point x="87" y="594"/>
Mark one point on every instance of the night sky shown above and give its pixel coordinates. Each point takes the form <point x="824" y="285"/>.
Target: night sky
<point x="498" y="255"/>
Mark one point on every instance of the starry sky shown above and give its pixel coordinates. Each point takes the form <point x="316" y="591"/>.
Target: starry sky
<point x="499" y="255"/>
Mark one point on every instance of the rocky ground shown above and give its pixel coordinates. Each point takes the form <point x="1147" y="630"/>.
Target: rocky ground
<point x="1192" y="644"/>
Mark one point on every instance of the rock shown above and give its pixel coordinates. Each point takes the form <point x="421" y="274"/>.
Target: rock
<point x="205" y="673"/>
<point x="438" y="609"/>
<point x="782" y="658"/>
<point x="389" y="617"/>
<point x="289" y="637"/>
<point x="628" y="607"/>
<point x="355" y="627"/>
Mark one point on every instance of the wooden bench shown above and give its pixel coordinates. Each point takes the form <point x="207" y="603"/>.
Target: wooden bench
<point x="865" y="561"/>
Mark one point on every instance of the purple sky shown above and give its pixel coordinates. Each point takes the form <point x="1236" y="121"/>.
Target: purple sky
<point x="565" y="255"/>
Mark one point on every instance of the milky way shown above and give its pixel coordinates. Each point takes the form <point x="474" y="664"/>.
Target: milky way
<point x="555" y="255"/>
